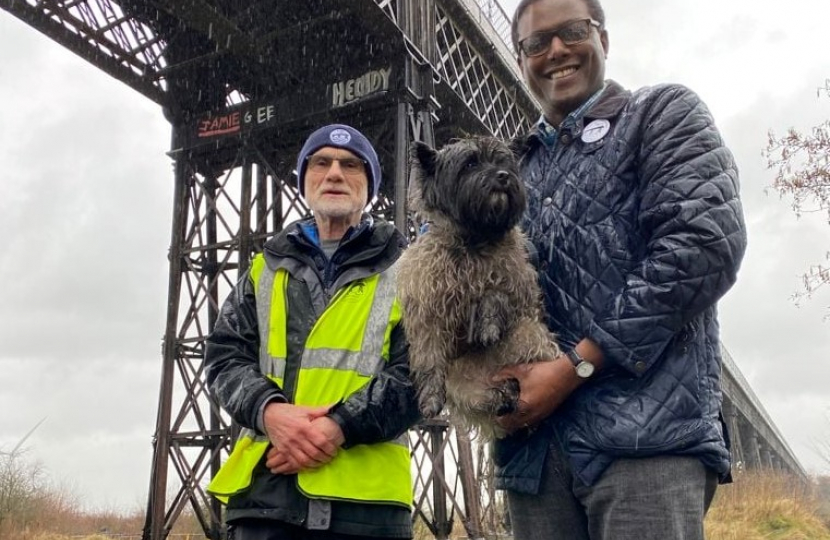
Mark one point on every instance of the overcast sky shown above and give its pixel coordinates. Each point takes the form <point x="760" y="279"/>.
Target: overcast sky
<point x="85" y="207"/>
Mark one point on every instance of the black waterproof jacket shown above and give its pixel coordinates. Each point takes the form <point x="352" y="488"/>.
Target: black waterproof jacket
<point x="381" y="411"/>
<point x="636" y="219"/>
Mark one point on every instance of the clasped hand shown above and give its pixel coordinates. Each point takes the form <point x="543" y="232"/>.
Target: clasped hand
<point x="543" y="387"/>
<point x="301" y="437"/>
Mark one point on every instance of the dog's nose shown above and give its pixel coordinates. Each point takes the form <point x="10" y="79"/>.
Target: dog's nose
<point x="503" y="176"/>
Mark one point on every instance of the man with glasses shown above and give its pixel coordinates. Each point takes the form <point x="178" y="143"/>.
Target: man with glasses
<point x="309" y="357"/>
<point x="635" y="216"/>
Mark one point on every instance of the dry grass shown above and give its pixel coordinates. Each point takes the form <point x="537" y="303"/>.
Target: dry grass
<point x="766" y="506"/>
<point x="757" y="506"/>
<point x="51" y="517"/>
<point x="173" y="536"/>
<point x="51" y="536"/>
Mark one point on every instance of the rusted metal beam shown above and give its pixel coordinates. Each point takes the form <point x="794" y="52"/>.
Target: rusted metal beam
<point x="63" y="28"/>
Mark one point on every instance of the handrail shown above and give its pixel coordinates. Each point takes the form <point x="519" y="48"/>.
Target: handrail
<point x="500" y="21"/>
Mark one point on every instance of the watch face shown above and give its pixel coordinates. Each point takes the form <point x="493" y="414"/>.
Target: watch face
<point x="585" y="369"/>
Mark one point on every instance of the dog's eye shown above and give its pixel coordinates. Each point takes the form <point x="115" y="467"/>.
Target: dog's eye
<point x="471" y="163"/>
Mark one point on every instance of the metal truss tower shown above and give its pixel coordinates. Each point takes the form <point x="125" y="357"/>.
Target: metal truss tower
<point x="375" y="65"/>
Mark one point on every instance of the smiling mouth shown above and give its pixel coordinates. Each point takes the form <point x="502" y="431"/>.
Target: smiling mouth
<point x="564" y="72"/>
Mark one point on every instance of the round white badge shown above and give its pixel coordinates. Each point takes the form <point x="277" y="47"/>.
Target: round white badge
<point x="340" y="136"/>
<point x="596" y="130"/>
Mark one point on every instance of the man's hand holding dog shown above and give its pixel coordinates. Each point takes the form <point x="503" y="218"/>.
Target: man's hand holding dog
<point x="302" y="437"/>
<point x="544" y="386"/>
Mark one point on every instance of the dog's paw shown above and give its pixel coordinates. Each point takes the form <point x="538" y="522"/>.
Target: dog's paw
<point x="431" y="398"/>
<point x="489" y="334"/>
<point x="506" y="397"/>
<point x="488" y="319"/>
<point x="431" y="406"/>
<point x="432" y="394"/>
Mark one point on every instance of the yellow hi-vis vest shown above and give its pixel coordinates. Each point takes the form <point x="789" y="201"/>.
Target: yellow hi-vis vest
<point x="346" y="347"/>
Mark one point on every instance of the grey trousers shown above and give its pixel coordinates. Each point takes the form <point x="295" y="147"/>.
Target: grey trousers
<point x="659" y="498"/>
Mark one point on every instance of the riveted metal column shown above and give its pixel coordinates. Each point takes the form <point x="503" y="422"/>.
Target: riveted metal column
<point x="261" y="206"/>
<point x="154" y="522"/>
<point x="214" y="528"/>
<point x="441" y="520"/>
<point x="471" y="487"/>
<point x="245" y="240"/>
<point x="414" y="114"/>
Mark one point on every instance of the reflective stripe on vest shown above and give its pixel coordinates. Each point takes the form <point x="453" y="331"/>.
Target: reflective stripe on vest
<point x="235" y="475"/>
<point x="344" y="350"/>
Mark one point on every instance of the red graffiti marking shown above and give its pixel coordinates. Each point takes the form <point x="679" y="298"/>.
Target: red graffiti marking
<point x="220" y="125"/>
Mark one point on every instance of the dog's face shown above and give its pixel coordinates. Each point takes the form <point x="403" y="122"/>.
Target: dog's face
<point x="472" y="182"/>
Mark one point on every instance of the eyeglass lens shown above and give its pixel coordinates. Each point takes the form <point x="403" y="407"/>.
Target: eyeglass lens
<point x="322" y="163"/>
<point x="571" y="33"/>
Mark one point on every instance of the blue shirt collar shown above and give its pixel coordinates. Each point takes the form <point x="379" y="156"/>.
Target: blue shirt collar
<point x="550" y="134"/>
<point x="309" y="228"/>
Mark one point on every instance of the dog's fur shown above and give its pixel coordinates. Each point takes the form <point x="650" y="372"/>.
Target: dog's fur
<point x="469" y="294"/>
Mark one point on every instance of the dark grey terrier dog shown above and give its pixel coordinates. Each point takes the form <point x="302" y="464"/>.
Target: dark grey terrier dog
<point x="469" y="294"/>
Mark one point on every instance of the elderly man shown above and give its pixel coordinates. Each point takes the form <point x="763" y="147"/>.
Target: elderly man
<point x="309" y="356"/>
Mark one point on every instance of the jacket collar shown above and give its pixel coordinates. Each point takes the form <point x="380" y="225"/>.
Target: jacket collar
<point x="372" y="240"/>
<point x="307" y="228"/>
<point x="609" y="104"/>
<point x="548" y="132"/>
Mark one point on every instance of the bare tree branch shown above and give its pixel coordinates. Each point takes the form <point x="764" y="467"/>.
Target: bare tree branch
<point x="802" y="164"/>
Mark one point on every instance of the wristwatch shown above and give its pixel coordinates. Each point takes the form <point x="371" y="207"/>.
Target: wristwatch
<point x="584" y="369"/>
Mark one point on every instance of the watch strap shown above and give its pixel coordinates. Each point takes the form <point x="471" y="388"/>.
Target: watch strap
<point x="584" y="369"/>
<point x="574" y="357"/>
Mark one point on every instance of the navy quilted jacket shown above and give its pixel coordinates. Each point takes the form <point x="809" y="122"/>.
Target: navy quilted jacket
<point x="639" y="231"/>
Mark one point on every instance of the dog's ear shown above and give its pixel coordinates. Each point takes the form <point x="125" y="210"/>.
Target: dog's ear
<point x="519" y="146"/>
<point x="424" y="156"/>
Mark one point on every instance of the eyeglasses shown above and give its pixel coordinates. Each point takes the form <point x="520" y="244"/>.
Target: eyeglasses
<point x="570" y="33"/>
<point x="321" y="163"/>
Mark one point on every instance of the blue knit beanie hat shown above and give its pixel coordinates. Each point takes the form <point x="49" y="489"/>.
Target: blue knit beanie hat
<point x="341" y="136"/>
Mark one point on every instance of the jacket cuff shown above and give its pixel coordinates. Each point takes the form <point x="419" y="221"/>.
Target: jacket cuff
<point x="341" y="416"/>
<point x="637" y="363"/>
<point x="273" y="396"/>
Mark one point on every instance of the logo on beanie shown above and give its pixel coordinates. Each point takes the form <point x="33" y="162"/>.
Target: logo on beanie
<point x="340" y="137"/>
